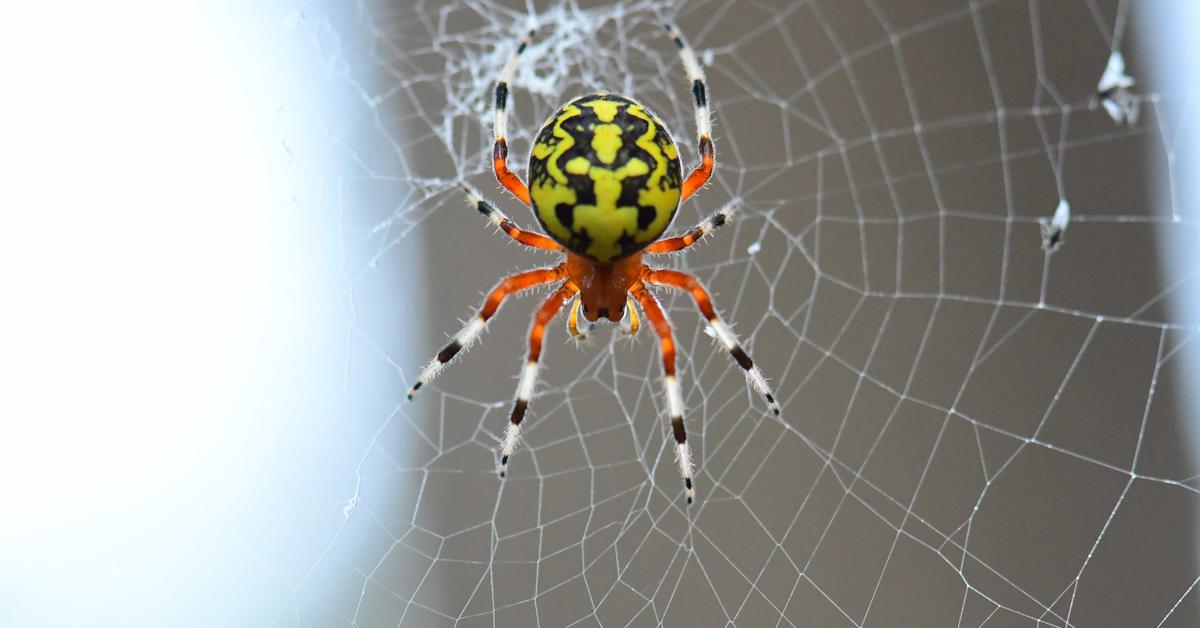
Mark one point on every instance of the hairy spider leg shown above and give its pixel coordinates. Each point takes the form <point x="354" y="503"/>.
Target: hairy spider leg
<point x="525" y="386"/>
<point x="690" y="284"/>
<point x="473" y="328"/>
<point x="658" y="319"/>
<point x="693" y="235"/>
<point x="700" y="174"/>
<point x="497" y="217"/>
<point x="506" y="177"/>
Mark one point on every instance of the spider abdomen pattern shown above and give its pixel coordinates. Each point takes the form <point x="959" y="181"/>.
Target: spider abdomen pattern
<point x="605" y="178"/>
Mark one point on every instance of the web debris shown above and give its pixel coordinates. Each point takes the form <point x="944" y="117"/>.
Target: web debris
<point x="1113" y="91"/>
<point x="1055" y="227"/>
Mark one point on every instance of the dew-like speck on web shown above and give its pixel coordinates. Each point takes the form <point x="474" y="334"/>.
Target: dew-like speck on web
<point x="754" y="248"/>
<point x="1053" y="228"/>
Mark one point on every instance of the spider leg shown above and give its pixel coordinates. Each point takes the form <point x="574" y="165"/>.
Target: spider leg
<point x="700" y="174"/>
<point x="684" y="281"/>
<point x="497" y="217"/>
<point x="549" y="308"/>
<point x="693" y="235"/>
<point x="506" y="177"/>
<point x="658" y="319"/>
<point x="469" y="333"/>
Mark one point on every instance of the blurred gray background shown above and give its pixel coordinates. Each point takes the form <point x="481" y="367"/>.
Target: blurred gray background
<point x="973" y="432"/>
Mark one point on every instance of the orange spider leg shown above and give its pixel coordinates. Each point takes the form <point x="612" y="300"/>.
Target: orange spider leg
<point x="701" y="173"/>
<point x="469" y="333"/>
<point x="658" y="319"/>
<point x="684" y="281"/>
<point x="693" y="235"/>
<point x="546" y="313"/>
<point x="506" y="177"/>
<point x="497" y="217"/>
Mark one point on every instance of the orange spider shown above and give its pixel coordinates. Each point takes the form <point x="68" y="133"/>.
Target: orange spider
<point x="605" y="183"/>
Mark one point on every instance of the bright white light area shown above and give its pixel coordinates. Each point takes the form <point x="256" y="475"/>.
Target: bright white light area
<point x="174" y="339"/>
<point x="1169" y="30"/>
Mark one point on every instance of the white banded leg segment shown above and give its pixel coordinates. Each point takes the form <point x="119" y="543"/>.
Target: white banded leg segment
<point x="695" y="234"/>
<point x="506" y="77"/>
<point x="506" y="177"/>
<point x="753" y="376"/>
<point x="499" y="219"/>
<point x="512" y="436"/>
<point x="695" y="74"/>
<point x="674" y="397"/>
<point x="512" y="433"/>
<point x="683" y="459"/>
<point x="718" y="219"/>
<point x="463" y="339"/>
<point x="683" y="454"/>
<point x="489" y="211"/>
<point x="527" y="382"/>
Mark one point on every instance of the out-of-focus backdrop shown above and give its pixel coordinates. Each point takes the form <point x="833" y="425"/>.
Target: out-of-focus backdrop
<point x="234" y="236"/>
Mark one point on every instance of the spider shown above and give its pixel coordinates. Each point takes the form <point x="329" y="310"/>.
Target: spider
<point x="605" y="182"/>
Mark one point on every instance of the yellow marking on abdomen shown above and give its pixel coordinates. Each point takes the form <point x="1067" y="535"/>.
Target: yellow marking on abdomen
<point x="606" y="221"/>
<point x="663" y="198"/>
<point x="548" y="195"/>
<point x="578" y="165"/>
<point x="606" y="110"/>
<point x="606" y="141"/>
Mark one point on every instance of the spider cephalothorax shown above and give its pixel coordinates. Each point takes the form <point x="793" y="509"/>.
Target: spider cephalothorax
<point x="605" y="183"/>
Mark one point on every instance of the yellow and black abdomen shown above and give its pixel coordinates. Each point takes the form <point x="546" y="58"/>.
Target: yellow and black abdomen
<point x="604" y="177"/>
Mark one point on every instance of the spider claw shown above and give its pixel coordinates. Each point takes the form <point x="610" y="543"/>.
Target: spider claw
<point x="688" y="491"/>
<point x="503" y="466"/>
<point x="582" y="336"/>
<point x="771" y="402"/>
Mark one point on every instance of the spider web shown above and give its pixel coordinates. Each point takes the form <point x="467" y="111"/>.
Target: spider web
<point x="975" y="431"/>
